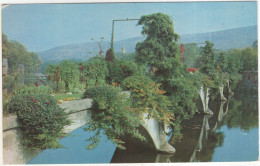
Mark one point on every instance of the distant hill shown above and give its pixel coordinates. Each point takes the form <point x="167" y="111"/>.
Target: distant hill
<point x="81" y="51"/>
<point x="232" y="38"/>
<point x="226" y="39"/>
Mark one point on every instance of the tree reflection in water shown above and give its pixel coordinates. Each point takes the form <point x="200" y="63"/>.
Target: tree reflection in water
<point x="239" y="111"/>
<point x="201" y="134"/>
<point x="244" y="113"/>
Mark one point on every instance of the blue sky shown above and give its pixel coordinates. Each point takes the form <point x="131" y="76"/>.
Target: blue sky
<point x="43" y="26"/>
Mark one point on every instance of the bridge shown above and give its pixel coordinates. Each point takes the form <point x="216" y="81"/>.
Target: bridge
<point x="80" y="114"/>
<point x="197" y="131"/>
<point x="200" y="128"/>
<point x="204" y="94"/>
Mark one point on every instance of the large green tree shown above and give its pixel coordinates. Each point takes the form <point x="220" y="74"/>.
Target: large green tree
<point x="160" y="52"/>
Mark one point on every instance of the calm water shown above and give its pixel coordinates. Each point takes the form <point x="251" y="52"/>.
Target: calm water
<point x="231" y="134"/>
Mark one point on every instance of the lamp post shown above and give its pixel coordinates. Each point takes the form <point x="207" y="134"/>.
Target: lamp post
<point x="113" y="26"/>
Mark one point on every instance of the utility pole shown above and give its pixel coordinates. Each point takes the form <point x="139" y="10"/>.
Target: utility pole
<point x="113" y="26"/>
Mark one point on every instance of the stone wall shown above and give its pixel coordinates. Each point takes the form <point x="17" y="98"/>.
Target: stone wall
<point x="15" y="153"/>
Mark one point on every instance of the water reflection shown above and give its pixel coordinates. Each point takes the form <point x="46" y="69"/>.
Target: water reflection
<point x="240" y="112"/>
<point x="203" y="134"/>
<point x="137" y="156"/>
<point x="244" y="113"/>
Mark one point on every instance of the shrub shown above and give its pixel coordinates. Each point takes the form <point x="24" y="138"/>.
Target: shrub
<point x="122" y="69"/>
<point x="113" y="115"/>
<point x="95" y="69"/>
<point x="110" y="55"/>
<point x="32" y="90"/>
<point x="183" y="96"/>
<point x="41" y="120"/>
<point x="102" y="95"/>
<point x="147" y="97"/>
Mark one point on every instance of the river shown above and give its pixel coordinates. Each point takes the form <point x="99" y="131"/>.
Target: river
<point x="231" y="134"/>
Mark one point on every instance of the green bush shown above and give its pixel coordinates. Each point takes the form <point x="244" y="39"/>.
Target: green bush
<point x="102" y="95"/>
<point x="183" y="95"/>
<point x="147" y="97"/>
<point x="113" y="115"/>
<point x="95" y="72"/>
<point x="121" y="69"/>
<point x="32" y="90"/>
<point x="40" y="118"/>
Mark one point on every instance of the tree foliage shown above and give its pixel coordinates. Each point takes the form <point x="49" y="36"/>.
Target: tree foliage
<point x="249" y="59"/>
<point x="112" y="113"/>
<point x="68" y="72"/>
<point x="159" y="51"/>
<point x="208" y="59"/>
<point x="110" y="55"/>
<point x="121" y="69"/>
<point x="96" y="69"/>
<point x="21" y="62"/>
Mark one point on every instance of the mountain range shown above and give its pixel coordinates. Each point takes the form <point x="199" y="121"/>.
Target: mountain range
<point x="226" y="39"/>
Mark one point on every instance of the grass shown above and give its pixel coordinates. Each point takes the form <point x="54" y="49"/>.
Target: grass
<point x="68" y="97"/>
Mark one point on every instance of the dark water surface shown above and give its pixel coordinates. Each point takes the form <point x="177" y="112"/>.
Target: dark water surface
<point x="231" y="134"/>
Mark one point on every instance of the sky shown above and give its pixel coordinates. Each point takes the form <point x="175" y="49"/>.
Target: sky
<point x="43" y="26"/>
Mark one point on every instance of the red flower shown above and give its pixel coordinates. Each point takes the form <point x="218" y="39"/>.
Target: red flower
<point x="161" y="92"/>
<point x="36" y="83"/>
<point x="35" y="100"/>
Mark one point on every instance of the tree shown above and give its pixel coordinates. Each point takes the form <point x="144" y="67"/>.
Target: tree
<point x="233" y="66"/>
<point x="21" y="62"/>
<point x="160" y="52"/>
<point x="110" y="55"/>
<point x="68" y="71"/>
<point x="54" y="76"/>
<point x="222" y="62"/>
<point x="96" y="69"/>
<point x="249" y="59"/>
<point x="208" y="59"/>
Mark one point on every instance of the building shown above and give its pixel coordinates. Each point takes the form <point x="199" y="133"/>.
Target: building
<point x="123" y="50"/>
